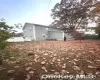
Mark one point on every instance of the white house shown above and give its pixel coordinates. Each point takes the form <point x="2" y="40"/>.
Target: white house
<point x="41" y="32"/>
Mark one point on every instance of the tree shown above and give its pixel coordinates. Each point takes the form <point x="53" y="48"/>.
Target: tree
<point x="72" y="14"/>
<point x="96" y="17"/>
<point x="96" y="12"/>
<point x="5" y="33"/>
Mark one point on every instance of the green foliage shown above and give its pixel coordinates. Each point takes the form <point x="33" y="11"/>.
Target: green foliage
<point x="3" y="45"/>
<point x="92" y="37"/>
<point x="4" y="34"/>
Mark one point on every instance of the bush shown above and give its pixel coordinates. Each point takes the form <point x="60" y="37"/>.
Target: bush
<point x="94" y="37"/>
<point x="3" y="45"/>
<point x="4" y="35"/>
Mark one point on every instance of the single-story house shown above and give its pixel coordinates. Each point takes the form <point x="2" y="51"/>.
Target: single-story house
<point x="41" y="32"/>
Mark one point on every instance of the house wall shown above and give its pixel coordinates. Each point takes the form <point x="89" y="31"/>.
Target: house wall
<point x="35" y="32"/>
<point x="28" y="31"/>
<point x="57" y="35"/>
<point x="43" y="33"/>
<point x="40" y="33"/>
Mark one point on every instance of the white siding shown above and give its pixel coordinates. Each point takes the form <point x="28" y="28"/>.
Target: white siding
<point x="34" y="33"/>
<point x="40" y="32"/>
<point x="58" y="35"/>
<point x="28" y="31"/>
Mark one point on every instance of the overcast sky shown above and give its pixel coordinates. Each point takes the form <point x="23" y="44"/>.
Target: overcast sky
<point x="21" y="11"/>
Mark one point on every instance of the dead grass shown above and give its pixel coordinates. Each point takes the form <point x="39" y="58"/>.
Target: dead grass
<point x="55" y="57"/>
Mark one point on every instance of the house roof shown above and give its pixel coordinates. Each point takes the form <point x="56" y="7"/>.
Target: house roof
<point x="39" y="25"/>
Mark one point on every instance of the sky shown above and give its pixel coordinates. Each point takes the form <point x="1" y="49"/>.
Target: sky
<point x="32" y="11"/>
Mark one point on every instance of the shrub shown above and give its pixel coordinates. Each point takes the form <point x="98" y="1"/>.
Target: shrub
<point x="4" y="35"/>
<point x="94" y="37"/>
<point x="3" y="45"/>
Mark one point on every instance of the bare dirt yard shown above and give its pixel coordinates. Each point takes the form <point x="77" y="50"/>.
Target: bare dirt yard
<point x="38" y="60"/>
